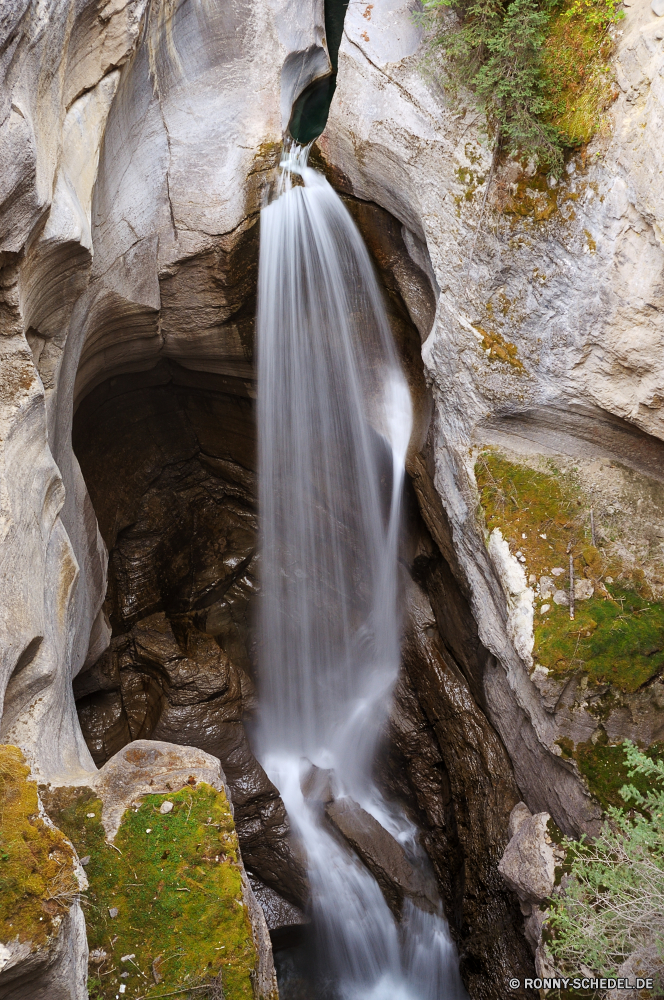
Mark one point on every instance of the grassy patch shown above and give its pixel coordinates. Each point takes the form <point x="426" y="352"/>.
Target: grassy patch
<point x="575" y="65"/>
<point x="617" y="640"/>
<point x="37" y="879"/>
<point x="617" y="636"/>
<point x="177" y="891"/>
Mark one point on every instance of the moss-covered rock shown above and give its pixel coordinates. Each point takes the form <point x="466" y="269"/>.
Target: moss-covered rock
<point x="604" y="767"/>
<point x="38" y="881"/>
<point x="617" y="635"/>
<point x="165" y="909"/>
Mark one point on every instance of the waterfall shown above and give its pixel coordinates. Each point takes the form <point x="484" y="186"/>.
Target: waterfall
<point x="334" y="419"/>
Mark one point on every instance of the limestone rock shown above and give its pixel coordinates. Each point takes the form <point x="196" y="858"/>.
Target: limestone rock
<point x="56" y="972"/>
<point x="147" y="767"/>
<point x="43" y="947"/>
<point x="579" y="382"/>
<point x="583" y="589"/>
<point x="150" y="767"/>
<point x="528" y="864"/>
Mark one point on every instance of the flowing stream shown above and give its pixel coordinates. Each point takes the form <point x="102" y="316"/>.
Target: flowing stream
<point x="334" y="423"/>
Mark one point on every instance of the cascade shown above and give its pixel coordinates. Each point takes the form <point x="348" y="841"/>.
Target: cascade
<point x="334" y="424"/>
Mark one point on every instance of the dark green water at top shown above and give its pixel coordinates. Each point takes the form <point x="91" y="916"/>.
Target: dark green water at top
<point x="310" y="111"/>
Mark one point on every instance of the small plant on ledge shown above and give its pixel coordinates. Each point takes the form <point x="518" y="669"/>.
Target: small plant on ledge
<point x="536" y="69"/>
<point x="608" y="915"/>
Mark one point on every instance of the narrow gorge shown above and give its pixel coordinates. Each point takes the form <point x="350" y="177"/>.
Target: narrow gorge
<point x="247" y="675"/>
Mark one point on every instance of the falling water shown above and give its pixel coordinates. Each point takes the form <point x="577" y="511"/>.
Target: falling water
<point x="334" y="424"/>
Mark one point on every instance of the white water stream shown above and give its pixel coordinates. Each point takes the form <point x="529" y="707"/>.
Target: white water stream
<point x="334" y="423"/>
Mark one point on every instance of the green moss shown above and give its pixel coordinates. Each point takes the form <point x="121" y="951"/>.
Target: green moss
<point x="619" y="640"/>
<point x="471" y="180"/>
<point x="566" y="747"/>
<point x="497" y="348"/>
<point x="37" y="879"/>
<point x="532" y="197"/>
<point x="177" y="890"/>
<point x="617" y="636"/>
<point x="605" y="770"/>
<point x="575" y="66"/>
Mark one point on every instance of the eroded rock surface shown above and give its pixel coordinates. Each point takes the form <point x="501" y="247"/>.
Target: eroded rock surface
<point x="135" y="145"/>
<point x="516" y="332"/>
<point x="450" y="764"/>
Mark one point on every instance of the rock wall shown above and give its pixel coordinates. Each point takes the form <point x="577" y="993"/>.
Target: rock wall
<point x="539" y="313"/>
<point x="135" y="143"/>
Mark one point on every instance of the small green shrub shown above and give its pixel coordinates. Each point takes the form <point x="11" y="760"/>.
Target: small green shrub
<point x="610" y="908"/>
<point x="500" y="53"/>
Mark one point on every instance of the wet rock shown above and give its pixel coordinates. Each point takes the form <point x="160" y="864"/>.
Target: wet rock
<point x="181" y="530"/>
<point x="382" y="854"/>
<point x="279" y="913"/>
<point x="318" y="784"/>
<point x="56" y="972"/>
<point x="449" y="763"/>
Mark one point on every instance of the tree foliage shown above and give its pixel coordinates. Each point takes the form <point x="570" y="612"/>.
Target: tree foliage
<point x="495" y="50"/>
<point x="610" y="908"/>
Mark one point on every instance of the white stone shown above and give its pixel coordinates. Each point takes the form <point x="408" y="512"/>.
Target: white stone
<point x="658" y="7"/>
<point x="528" y="864"/>
<point x="166" y="807"/>
<point x="561" y="597"/>
<point x="583" y="589"/>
